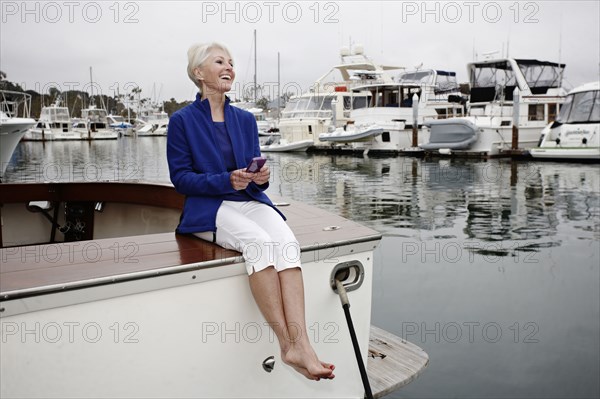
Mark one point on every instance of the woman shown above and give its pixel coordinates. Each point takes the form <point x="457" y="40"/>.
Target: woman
<point x="209" y="145"/>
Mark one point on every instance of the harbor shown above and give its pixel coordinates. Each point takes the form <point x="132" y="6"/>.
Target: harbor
<point x="437" y="162"/>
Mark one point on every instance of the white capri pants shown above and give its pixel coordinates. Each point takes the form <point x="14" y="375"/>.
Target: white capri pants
<point x="258" y="232"/>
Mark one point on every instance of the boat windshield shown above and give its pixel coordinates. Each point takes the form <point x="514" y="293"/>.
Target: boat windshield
<point x="418" y="77"/>
<point x="156" y="116"/>
<point x="446" y="82"/>
<point x="94" y="115"/>
<point x="583" y="107"/>
<point x="308" y="106"/>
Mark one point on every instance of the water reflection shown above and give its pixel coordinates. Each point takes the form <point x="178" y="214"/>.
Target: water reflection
<point x="126" y="159"/>
<point x="489" y="200"/>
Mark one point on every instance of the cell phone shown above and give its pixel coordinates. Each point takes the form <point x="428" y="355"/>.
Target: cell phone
<point x="256" y="164"/>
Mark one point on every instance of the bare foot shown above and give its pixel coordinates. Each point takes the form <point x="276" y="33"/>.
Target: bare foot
<point x="305" y="362"/>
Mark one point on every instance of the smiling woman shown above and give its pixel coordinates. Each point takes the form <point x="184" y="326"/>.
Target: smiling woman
<point x="209" y="145"/>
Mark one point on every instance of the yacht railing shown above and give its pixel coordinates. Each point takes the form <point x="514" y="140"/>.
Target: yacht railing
<point x="12" y="101"/>
<point x="309" y="113"/>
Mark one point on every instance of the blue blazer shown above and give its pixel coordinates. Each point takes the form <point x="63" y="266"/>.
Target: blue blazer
<point x="196" y="164"/>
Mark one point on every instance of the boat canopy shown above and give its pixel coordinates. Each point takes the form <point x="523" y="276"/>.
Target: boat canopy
<point x="55" y="114"/>
<point x="442" y="81"/>
<point x="94" y="114"/>
<point x="495" y="80"/>
<point x="541" y="75"/>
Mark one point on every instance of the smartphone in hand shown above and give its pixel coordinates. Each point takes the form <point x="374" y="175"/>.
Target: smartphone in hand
<point x="256" y="164"/>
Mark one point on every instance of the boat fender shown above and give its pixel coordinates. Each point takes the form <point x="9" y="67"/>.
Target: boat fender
<point x="445" y="151"/>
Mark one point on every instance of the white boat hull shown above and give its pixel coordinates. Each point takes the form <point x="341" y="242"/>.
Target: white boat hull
<point x="51" y="135"/>
<point x="168" y="339"/>
<point x="101" y="134"/>
<point x="567" y="153"/>
<point x="12" y="131"/>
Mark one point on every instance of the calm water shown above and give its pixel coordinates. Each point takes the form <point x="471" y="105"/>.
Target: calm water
<point x="491" y="266"/>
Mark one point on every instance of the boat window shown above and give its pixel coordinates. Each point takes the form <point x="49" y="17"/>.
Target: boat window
<point x="552" y="112"/>
<point x="565" y="110"/>
<point x="536" y="112"/>
<point x="584" y="106"/>
<point x="360" y="102"/>
<point x="326" y="103"/>
<point x="62" y="114"/>
<point x="347" y="103"/>
<point x="595" y="115"/>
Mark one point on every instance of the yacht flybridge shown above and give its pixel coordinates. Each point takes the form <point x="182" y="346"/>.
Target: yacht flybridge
<point x="331" y="98"/>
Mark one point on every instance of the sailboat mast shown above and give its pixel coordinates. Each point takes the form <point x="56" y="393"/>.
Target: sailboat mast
<point x="278" y="85"/>
<point x="255" y="66"/>
<point x="91" y="87"/>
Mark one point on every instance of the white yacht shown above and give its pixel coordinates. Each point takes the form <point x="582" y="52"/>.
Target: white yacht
<point x="386" y="123"/>
<point x="93" y="125"/>
<point x="328" y="103"/>
<point x="526" y="90"/>
<point x="99" y="297"/>
<point x="267" y="131"/>
<point x="152" y="122"/>
<point x="13" y="127"/>
<point x="54" y="124"/>
<point x="575" y="134"/>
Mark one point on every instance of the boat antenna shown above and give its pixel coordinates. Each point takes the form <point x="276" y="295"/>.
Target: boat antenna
<point x="562" y="70"/>
<point x="255" y="67"/>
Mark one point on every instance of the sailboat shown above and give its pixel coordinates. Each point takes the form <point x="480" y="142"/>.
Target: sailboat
<point x="94" y="123"/>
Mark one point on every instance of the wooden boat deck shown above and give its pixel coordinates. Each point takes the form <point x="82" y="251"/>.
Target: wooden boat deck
<point x="57" y="266"/>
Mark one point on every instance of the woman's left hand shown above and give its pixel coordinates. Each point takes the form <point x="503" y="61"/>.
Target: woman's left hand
<point x="262" y="176"/>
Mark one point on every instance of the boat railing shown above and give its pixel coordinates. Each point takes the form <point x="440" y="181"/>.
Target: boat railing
<point x="308" y="113"/>
<point x="13" y="101"/>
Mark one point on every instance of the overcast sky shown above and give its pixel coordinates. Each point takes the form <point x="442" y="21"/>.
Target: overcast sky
<point x="144" y="43"/>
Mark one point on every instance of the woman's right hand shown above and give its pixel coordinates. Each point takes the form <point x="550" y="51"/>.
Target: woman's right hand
<point x="240" y="179"/>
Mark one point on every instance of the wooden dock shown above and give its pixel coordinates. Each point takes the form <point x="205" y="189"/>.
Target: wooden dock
<point x="393" y="362"/>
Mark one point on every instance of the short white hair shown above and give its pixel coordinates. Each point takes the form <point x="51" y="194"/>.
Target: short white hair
<point x="198" y="54"/>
